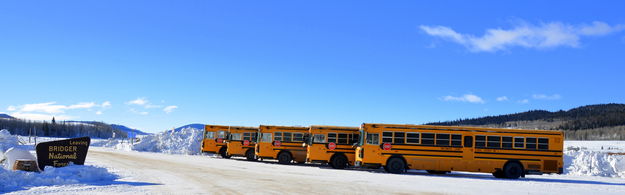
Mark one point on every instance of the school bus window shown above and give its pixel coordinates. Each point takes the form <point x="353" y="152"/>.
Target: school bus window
<point x="277" y="136"/>
<point x="387" y="137"/>
<point x="247" y="136"/>
<point x="286" y="136"/>
<point x="254" y="136"/>
<point x="221" y="134"/>
<point x="412" y="138"/>
<point x="353" y="139"/>
<point x="442" y="139"/>
<point x="235" y="136"/>
<point x="468" y="141"/>
<point x="506" y="142"/>
<point x="298" y="137"/>
<point x="342" y="138"/>
<point x="427" y="138"/>
<point x="210" y="135"/>
<point x="456" y="140"/>
<point x="493" y="141"/>
<point x="373" y="138"/>
<point x="480" y="141"/>
<point x="319" y="138"/>
<point x="543" y="143"/>
<point x="266" y="138"/>
<point x="400" y="138"/>
<point x="530" y="143"/>
<point x="519" y="142"/>
<point x="331" y="137"/>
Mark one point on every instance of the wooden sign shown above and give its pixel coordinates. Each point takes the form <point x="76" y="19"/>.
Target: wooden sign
<point x="61" y="153"/>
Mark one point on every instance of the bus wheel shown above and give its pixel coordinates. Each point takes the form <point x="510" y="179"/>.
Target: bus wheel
<point x="338" y="162"/>
<point x="223" y="153"/>
<point x="395" y="165"/>
<point x="250" y="155"/>
<point x="284" y="158"/>
<point x="512" y="170"/>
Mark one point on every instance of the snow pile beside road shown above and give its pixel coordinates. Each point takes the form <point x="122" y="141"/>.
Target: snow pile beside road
<point x="118" y="144"/>
<point x="7" y="140"/>
<point x="594" y="163"/>
<point x="73" y="174"/>
<point x="184" y="141"/>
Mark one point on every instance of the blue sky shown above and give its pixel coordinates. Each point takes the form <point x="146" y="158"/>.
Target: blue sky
<point x="155" y="65"/>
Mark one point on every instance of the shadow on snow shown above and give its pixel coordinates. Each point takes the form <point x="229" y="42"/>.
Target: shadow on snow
<point x="463" y="175"/>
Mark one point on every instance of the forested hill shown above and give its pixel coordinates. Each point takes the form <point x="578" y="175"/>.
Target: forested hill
<point x="60" y="128"/>
<point x="592" y="122"/>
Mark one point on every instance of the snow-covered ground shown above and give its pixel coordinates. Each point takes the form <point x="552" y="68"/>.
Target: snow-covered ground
<point x="595" y="158"/>
<point x="64" y="180"/>
<point x="171" y="162"/>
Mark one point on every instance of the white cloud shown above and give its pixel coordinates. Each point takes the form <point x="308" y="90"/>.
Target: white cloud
<point x="169" y="109"/>
<point x="47" y="110"/>
<point x="465" y="98"/>
<point x="98" y="113"/>
<point x="502" y="98"/>
<point x="36" y="116"/>
<point x="51" y="107"/>
<point x="523" y="101"/>
<point x="546" y="97"/>
<point x="143" y="102"/>
<point x="139" y="112"/>
<point x="139" y="101"/>
<point x="544" y="35"/>
<point x="106" y="104"/>
<point x="48" y="107"/>
<point x="83" y="105"/>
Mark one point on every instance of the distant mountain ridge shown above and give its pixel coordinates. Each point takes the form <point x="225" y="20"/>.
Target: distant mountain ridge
<point x="600" y="121"/>
<point x="114" y="126"/>
<point x="6" y="116"/>
<point x="93" y="129"/>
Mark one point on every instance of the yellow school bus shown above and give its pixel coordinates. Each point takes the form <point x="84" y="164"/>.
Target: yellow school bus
<point x="332" y="145"/>
<point x="506" y="153"/>
<point x="241" y="142"/>
<point x="214" y="141"/>
<point x="281" y="142"/>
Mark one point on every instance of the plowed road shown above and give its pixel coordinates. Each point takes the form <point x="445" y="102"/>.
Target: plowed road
<point x="184" y="174"/>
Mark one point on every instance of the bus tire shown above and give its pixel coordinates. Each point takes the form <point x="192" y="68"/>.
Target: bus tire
<point x="249" y="155"/>
<point x="285" y="158"/>
<point x="223" y="152"/>
<point x="512" y="170"/>
<point x="395" y="165"/>
<point x="338" y="161"/>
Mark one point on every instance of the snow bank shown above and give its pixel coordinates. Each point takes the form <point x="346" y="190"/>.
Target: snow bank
<point x="184" y="141"/>
<point x="7" y="140"/>
<point x="113" y="143"/>
<point x="595" y="159"/>
<point x="73" y="174"/>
